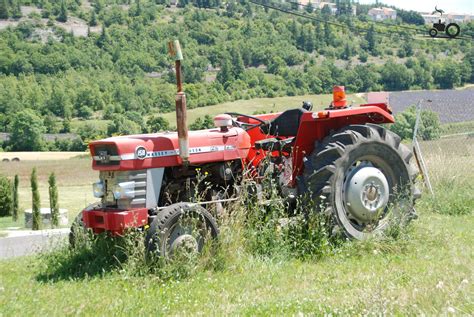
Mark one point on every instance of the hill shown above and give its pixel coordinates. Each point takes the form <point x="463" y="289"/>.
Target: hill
<point x="119" y="71"/>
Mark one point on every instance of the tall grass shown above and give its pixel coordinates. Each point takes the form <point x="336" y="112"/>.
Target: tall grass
<point x="249" y="231"/>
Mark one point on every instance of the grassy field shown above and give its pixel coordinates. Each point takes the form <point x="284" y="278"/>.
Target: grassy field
<point x="428" y="270"/>
<point x="262" y="104"/>
<point x="39" y="156"/>
<point x="243" y="106"/>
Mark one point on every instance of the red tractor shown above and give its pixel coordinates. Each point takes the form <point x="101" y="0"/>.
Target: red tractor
<point x="340" y="159"/>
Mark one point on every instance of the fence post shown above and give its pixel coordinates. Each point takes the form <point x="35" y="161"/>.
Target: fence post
<point x="417" y="151"/>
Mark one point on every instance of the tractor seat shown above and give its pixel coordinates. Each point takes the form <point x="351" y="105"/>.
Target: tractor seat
<point x="286" y="124"/>
<point x="273" y="144"/>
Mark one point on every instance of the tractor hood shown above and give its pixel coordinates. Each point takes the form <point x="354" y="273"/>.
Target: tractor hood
<point x="154" y="150"/>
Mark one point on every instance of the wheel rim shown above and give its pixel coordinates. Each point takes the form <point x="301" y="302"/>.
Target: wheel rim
<point x="433" y="32"/>
<point x="185" y="236"/>
<point x="366" y="193"/>
<point x="375" y="184"/>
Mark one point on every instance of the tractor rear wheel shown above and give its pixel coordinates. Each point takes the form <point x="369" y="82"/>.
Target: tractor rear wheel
<point x="361" y="176"/>
<point x="181" y="227"/>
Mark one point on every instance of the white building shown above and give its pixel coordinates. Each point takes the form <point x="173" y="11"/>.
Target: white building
<point x="380" y="14"/>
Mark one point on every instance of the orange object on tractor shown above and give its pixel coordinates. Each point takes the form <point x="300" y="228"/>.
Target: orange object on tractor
<point x="339" y="97"/>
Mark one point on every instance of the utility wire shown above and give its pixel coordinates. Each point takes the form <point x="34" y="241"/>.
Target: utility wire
<point x="352" y="28"/>
<point x="413" y="28"/>
<point x="306" y="16"/>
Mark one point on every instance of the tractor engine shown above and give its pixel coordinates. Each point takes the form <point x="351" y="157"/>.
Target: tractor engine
<point x="141" y="174"/>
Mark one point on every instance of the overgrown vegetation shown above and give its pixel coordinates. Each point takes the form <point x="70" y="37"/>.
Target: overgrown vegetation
<point x="266" y="266"/>
<point x="232" y="51"/>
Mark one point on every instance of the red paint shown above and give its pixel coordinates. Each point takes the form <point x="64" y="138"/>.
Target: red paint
<point x="114" y="221"/>
<point x="237" y="144"/>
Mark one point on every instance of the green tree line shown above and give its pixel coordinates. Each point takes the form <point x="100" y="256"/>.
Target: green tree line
<point x="233" y="51"/>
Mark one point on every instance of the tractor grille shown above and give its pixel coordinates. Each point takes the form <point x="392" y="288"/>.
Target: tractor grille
<point x="112" y="178"/>
<point x="106" y="155"/>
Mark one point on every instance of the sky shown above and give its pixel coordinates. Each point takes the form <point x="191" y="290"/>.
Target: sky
<point x="458" y="6"/>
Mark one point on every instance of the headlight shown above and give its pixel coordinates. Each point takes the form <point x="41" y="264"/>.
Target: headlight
<point x="98" y="189"/>
<point x="124" y="190"/>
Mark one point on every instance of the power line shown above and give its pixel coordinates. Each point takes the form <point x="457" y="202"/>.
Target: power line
<point x="418" y="29"/>
<point x="305" y="16"/>
<point x="326" y="21"/>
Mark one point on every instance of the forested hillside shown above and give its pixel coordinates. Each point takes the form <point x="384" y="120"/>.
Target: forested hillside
<point x="120" y="71"/>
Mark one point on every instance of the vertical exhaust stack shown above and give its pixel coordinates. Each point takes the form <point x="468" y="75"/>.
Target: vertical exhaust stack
<point x="174" y="50"/>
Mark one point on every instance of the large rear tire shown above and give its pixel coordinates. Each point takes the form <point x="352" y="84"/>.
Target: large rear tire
<point x="181" y="227"/>
<point x="361" y="176"/>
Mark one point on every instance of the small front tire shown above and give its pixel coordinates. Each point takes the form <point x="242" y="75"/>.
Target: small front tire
<point x="181" y="227"/>
<point x="433" y="32"/>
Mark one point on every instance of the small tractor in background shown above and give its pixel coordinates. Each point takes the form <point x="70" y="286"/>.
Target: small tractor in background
<point x="340" y="159"/>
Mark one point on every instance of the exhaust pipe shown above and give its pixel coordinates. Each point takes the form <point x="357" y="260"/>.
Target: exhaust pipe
<point x="174" y="50"/>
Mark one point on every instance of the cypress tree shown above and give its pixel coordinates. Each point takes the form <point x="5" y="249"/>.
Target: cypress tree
<point x="5" y="196"/>
<point x="36" y="201"/>
<point x="16" y="183"/>
<point x="53" y="200"/>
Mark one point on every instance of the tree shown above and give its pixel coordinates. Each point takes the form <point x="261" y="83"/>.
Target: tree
<point x="225" y="74"/>
<point x="157" y="123"/>
<point x="371" y="40"/>
<point x="27" y="131"/>
<point x="447" y="74"/>
<point x="202" y="123"/>
<point x="309" y="7"/>
<point x="15" y="209"/>
<point x="396" y="77"/>
<point x="62" y="16"/>
<point x="4" y="14"/>
<point x="5" y="196"/>
<point x="93" y="19"/>
<point x="16" y="10"/>
<point x="429" y="128"/>
<point x="237" y="63"/>
<point x="53" y="200"/>
<point x="36" y="210"/>
<point x="326" y="10"/>
<point x="122" y="126"/>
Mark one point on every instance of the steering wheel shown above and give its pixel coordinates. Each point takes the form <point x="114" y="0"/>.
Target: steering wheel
<point x="248" y="116"/>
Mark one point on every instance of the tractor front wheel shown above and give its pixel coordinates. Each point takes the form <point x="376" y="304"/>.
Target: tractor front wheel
<point x="361" y="176"/>
<point x="181" y="227"/>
